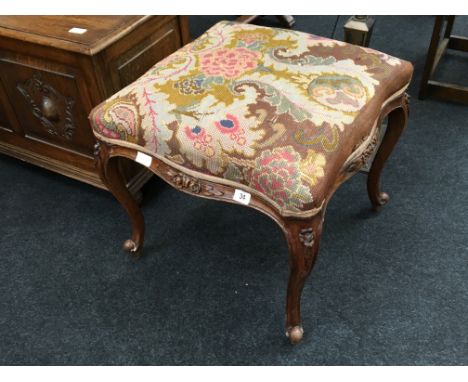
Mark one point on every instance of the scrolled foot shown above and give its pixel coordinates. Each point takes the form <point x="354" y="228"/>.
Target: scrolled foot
<point x="295" y="334"/>
<point x="131" y="247"/>
<point x="382" y="199"/>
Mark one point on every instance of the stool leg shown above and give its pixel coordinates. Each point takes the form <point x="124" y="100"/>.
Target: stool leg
<point x="303" y="241"/>
<point x="396" y="124"/>
<point x="286" y="20"/>
<point x="115" y="182"/>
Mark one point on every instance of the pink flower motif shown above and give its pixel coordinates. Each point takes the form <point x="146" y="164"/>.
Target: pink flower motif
<point x="201" y="140"/>
<point x="103" y="128"/>
<point x="118" y="122"/>
<point x="277" y="175"/>
<point x="230" y="125"/>
<point x="228" y="63"/>
<point x="194" y="133"/>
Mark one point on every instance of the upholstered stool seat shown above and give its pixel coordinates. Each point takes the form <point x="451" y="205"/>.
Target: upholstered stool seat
<point x="268" y="117"/>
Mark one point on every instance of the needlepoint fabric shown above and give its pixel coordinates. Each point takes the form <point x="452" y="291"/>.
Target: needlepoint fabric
<point x="275" y="111"/>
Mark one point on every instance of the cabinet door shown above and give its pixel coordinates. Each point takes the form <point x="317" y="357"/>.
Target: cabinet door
<point x="47" y="104"/>
<point x="129" y="58"/>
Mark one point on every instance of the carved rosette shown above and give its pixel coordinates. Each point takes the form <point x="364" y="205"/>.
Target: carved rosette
<point x="191" y="184"/>
<point x="97" y="148"/>
<point x="362" y="159"/>
<point x="53" y="109"/>
<point x="406" y="102"/>
<point x="186" y="182"/>
<point x="306" y="237"/>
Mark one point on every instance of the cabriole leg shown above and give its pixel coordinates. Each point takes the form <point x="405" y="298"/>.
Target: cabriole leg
<point x="115" y="182"/>
<point x="303" y="241"/>
<point x="396" y="124"/>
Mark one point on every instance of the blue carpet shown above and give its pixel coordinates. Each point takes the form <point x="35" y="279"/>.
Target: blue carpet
<point x="387" y="289"/>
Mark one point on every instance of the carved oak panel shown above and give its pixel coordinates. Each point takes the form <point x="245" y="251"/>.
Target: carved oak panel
<point x="50" y="80"/>
<point x="53" y="109"/>
<point x="136" y="61"/>
<point x="47" y="103"/>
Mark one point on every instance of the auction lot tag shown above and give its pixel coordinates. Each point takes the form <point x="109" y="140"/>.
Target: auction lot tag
<point x="143" y="159"/>
<point x="241" y="197"/>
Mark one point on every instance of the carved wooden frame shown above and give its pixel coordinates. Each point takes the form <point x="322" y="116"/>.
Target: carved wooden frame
<point x="302" y="232"/>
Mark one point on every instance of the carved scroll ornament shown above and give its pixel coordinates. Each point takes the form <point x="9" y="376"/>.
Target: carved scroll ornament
<point x="306" y="237"/>
<point x="191" y="184"/>
<point x="53" y="109"/>
<point x="362" y="158"/>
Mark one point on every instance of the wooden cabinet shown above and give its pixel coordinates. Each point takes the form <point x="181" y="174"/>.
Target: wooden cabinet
<point x="54" y="69"/>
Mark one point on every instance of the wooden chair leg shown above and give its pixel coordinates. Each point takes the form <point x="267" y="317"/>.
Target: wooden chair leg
<point x="303" y="241"/>
<point x="110" y="174"/>
<point x="431" y="57"/>
<point x="396" y="124"/>
<point x="286" y="20"/>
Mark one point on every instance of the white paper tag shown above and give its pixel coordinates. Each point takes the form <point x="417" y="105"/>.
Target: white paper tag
<point x="76" y="30"/>
<point x="241" y="197"/>
<point x="143" y="159"/>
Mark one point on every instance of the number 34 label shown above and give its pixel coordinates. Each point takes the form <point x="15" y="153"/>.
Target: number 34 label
<point x="241" y="197"/>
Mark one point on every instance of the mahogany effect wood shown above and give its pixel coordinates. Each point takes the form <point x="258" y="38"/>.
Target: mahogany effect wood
<point x="50" y="79"/>
<point x="396" y="124"/>
<point x="302" y="233"/>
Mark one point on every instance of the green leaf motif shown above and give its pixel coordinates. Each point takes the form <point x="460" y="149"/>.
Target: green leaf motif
<point x="302" y="61"/>
<point x="262" y="68"/>
<point x="208" y="81"/>
<point x="257" y="45"/>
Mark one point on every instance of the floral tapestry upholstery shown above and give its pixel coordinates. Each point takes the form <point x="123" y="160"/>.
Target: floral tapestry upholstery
<point x="275" y="112"/>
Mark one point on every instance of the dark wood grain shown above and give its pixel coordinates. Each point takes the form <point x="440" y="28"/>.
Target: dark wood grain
<point x="50" y="80"/>
<point x="102" y="31"/>
<point x="437" y="48"/>
<point x="112" y="177"/>
<point x="397" y="119"/>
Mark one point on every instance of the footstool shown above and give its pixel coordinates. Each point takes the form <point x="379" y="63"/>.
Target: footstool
<point x="268" y="118"/>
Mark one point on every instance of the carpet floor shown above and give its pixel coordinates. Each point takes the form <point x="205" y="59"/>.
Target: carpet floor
<point x="387" y="289"/>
